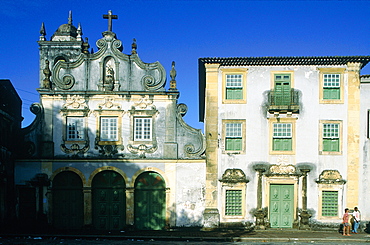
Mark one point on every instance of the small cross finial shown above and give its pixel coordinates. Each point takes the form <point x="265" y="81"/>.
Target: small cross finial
<point x="110" y="17"/>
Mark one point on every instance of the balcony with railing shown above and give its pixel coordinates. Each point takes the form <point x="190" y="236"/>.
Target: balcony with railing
<point x="283" y="101"/>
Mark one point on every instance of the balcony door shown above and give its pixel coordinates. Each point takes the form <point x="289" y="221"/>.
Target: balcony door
<point x="282" y="89"/>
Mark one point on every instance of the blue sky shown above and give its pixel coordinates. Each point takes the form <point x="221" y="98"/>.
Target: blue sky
<point x="183" y="31"/>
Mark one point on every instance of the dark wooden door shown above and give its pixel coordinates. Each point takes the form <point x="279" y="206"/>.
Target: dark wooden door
<point x="68" y="206"/>
<point x="109" y="201"/>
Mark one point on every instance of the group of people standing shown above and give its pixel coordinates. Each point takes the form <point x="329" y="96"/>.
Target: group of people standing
<point x="347" y="224"/>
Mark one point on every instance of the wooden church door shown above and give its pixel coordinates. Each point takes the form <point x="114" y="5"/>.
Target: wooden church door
<point x="109" y="201"/>
<point x="68" y="206"/>
<point x="150" y="202"/>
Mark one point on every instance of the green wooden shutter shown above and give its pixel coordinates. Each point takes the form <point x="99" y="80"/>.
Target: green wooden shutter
<point x="233" y="144"/>
<point x="282" y="144"/>
<point x="331" y="93"/>
<point x="234" y="93"/>
<point x="331" y="145"/>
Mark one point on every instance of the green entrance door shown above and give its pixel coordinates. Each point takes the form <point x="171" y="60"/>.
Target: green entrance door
<point x="150" y="201"/>
<point x="68" y="206"/>
<point x="109" y="201"/>
<point x="282" y="89"/>
<point x="281" y="206"/>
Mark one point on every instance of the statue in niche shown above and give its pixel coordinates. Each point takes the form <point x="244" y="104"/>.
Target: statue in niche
<point x="109" y="78"/>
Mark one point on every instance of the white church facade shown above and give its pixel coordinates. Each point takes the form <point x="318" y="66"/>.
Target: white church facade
<point x="109" y="148"/>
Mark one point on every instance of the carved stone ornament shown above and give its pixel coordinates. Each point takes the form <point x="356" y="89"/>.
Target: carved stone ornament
<point x="144" y="104"/>
<point x="75" y="102"/>
<point x="109" y="150"/>
<point x="75" y="148"/>
<point x="282" y="169"/>
<point x="330" y="177"/>
<point x="46" y="84"/>
<point x="109" y="104"/>
<point x="142" y="149"/>
<point x="234" y="176"/>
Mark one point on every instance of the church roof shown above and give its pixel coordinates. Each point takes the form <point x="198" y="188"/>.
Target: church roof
<point x="280" y="61"/>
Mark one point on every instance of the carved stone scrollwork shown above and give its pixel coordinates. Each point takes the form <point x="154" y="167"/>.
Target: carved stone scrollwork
<point x="155" y="77"/>
<point x="142" y="149"/>
<point x="75" y="102"/>
<point x="75" y="148"/>
<point x="101" y="43"/>
<point x="109" y="150"/>
<point x="330" y="177"/>
<point x="234" y="176"/>
<point x="109" y="104"/>
<point x="145" y="103"/>
<point x="61" y="76"/>
<point x="182" y="109"/>
<point x="282" y="169"/>
<point x="190" y="149"/>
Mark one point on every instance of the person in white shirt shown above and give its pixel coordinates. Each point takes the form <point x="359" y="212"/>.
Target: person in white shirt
<point x="356" y="220"/>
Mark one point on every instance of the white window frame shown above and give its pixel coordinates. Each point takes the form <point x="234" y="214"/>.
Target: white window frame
<point x="330" y="83"/>
<point x="286" y="133"/>
<point x="143" y="128"/>
<point x="234" y="81"/>
<point x="75" y="129"/>
<point x="108" y="132"/>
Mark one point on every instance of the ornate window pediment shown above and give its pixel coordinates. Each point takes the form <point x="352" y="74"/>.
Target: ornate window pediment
<point x="330" y="177"/>
<point x="143" y="138"/>
<point x="75" y="134"/>
<point x="109" y="130"/>
<point x="234" y="176"/>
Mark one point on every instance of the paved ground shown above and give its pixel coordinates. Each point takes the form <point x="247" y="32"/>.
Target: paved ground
<point x="193" y="236"/>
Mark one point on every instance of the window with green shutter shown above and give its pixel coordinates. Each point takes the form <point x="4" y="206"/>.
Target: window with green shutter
<point x="329" y="203"/>
<point x="331" y="89"/>
<point x="234" y="87"/>
<point x="330" y="136"/>
<point x="233" y="203"/>
<point x="282" y="89"/>
<point x="282" y="137"/>
<point x="233" y="139"/>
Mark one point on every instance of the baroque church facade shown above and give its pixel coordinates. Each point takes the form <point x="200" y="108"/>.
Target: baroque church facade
<point x="289" y="142"/>
<point x="109" y="148"/>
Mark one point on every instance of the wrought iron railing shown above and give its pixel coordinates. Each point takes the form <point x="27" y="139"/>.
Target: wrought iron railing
<point x="284" y="101"/>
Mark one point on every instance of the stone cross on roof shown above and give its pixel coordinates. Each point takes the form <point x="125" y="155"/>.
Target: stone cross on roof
<point x="109" y="16"/>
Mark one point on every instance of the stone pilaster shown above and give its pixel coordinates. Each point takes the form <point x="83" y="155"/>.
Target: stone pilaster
<point x="211" y="214"/>
<point x="87" y="206"/>
<point x="353" y="134"/>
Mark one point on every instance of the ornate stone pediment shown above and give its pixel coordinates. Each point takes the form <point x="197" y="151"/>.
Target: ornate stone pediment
<point x="234" y="176"/>
<point x="330" y="177"/>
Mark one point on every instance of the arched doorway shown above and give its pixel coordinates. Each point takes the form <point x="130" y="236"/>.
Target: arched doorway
<point x="150" y="201"/>
<point x="109" y="201"/>
<point x="68" y="206"/>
